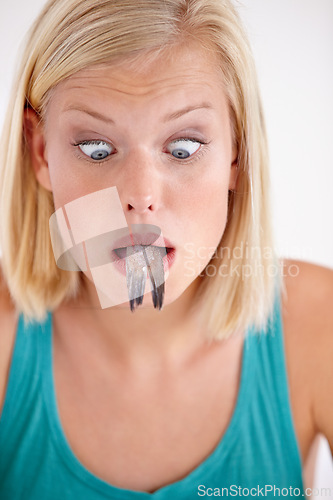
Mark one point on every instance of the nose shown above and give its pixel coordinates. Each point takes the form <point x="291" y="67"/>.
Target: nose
<point x="139" y="188"/>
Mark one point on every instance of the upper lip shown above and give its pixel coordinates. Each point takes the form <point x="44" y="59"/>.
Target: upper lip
<point x="142" y="239"/>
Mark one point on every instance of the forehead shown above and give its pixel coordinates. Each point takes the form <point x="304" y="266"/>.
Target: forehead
<point x="183" y="71"/>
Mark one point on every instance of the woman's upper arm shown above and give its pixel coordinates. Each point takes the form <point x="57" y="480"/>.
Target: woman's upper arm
<point x="323" y="352"/>
<point x="310" y="306"/>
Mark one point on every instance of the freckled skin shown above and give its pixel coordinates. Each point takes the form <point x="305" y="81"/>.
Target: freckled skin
<point x="187" y="199"/>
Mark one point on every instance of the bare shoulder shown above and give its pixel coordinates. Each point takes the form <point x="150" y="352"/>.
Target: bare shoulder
<point x="307" y="302"/>
<point x="8" y="320"/>
<point x="311" y="283"/>
<point x="307" y="308"/>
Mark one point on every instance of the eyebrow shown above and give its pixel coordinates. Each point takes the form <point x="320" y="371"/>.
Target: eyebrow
<point x="188" y="109"/>
<point x="172" y="116"/>
<point x="90" y="112"/>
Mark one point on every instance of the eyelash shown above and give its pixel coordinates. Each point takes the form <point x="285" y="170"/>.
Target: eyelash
<point x="79" y="154"/>
<point x="196" y="156"/>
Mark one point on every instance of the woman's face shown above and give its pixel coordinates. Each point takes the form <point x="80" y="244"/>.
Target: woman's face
<point x="161" y="134"/>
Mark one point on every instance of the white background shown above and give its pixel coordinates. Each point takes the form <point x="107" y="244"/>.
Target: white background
<point x="292" y="42"/>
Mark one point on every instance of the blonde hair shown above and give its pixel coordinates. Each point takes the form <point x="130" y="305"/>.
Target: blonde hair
<point x="70" y="35"/>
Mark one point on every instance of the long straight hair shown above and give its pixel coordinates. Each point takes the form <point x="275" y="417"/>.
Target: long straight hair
<point x="239" y="284"/>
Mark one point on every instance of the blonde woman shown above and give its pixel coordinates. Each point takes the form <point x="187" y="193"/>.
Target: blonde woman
<point x="209" y="388"/>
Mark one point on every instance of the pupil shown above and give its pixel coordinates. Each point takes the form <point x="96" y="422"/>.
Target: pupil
<point x="99" y="155"/>
<point x="181" y="153"/>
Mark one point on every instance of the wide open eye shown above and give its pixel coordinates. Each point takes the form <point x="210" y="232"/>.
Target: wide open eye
<point x="183" y="148"/>
<point x="96" y="150"/>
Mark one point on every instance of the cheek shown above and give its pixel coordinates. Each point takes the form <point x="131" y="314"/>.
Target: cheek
<point x="68" y="181"/>
<point x="211" y="219"/>
<point x="206" y="202"/>
<point x="204" y="223"/>
<point x="66" y="186"/>
<point x="62" y="182"/>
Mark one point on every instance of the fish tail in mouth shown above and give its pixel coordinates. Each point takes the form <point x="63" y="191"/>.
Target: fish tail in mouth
<point x="158" y="296"/>
<point x="156" y="276"/>
<point x="140" y="260"/>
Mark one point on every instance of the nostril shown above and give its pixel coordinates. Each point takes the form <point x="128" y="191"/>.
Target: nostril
<point x="138" y="208"/>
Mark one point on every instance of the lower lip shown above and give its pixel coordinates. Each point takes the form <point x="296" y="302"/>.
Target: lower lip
<point x="168" y="260"/>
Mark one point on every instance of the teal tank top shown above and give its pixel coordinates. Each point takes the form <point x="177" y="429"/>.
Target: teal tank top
<point x="258" y="454"/>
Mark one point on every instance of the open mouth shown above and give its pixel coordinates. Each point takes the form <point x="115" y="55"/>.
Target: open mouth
<point x="122" y="251"/>
<point x="144" y="261"/>
<point x="126" y="255"/>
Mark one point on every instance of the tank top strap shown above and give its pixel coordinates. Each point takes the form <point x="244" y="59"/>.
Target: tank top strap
<point x="271" y="393"/>
<point x="24" y="375"/>
<point x="271" y="367"/>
